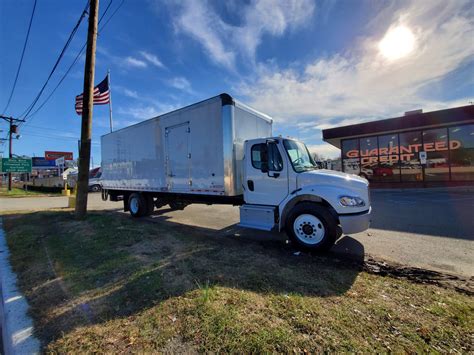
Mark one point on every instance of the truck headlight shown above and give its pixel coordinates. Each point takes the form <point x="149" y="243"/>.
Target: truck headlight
<point x="351" y="201"/>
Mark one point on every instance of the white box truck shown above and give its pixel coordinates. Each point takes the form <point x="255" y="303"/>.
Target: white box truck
<point x="220" y="151"/>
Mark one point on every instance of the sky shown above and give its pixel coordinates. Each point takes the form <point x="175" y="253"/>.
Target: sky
<point x="311" y="65"/>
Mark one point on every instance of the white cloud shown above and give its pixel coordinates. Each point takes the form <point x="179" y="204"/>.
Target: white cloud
<point x="140" y="112"/>
<point x="200" y="22"/>
<point x="143" y="112"/>
<point x="134" y="62"/>
<point x="270" y="17"/>
<point x="361" y="84"/>
<point x="223" y="41"/>
<point x="180" y="83"/>
<point x="153" y="59"/>
<point x="127" y="92"/>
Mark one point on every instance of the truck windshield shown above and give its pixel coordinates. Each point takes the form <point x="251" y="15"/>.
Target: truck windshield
<point x="299" y="156"/>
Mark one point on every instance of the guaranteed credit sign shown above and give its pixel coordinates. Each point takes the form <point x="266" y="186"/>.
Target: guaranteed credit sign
<point x="15" y="165"/>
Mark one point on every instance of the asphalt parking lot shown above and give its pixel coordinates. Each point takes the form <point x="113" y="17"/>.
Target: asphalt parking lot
<point x="432" y="229"/>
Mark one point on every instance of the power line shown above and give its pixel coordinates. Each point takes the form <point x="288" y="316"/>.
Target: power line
<point x="73" y="63"/>
<point x="81" y="51"/>
<point x="21" y="58"/>
<point x="54" y="136"/>
<point x="71" y="36"/>
<point x="113" y="13"/>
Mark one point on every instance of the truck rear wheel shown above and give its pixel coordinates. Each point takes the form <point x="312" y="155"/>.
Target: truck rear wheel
<point x="137" y="205"/>
<point x="150" y="205"/>
<point x="311" y="227"/>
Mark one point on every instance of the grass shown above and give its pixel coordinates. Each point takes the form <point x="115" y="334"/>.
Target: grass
<point x="16" y="192"/>
<point x="114" y="284"/>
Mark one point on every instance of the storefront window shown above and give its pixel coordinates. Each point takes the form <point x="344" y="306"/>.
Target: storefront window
<point x="396" y="157"/>
<point x="388" y="168"/>
<point x="350" y="148"/>
<point x="435" y="144"/>
<point x="461" y="144"/>
<point x="368" y="156"/>
<point x="388" y="145"/>
<point x="409" y="149"/>
<point x="368" y="147"/>
<point x="350" y="156"/>
<point x="351" y="166"/>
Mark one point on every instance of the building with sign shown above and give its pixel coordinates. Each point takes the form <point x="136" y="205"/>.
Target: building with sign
<point x="418" y="149"/>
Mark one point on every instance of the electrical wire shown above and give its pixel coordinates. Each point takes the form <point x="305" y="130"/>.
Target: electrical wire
<point x="54" y="136"/>
<point x="21" y="58"/>
<point x="68" y="42"/>
<point x="81" y="51"/>
<point x="73" y="63"/>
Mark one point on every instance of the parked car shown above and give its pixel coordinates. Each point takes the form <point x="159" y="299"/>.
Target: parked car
<point x="383" y="171"/>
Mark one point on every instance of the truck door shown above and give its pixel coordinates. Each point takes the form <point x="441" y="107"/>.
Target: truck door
<point x="178" y="157"/>
<point x="266" y="176"/>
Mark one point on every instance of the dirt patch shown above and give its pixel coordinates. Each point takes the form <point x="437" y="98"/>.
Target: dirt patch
<point x="455" y="282"/>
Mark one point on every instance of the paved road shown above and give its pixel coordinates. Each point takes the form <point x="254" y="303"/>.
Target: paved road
<point x="422" y="228"/>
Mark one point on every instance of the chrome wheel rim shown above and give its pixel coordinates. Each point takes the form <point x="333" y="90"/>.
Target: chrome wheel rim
<point x="309" y="229"/>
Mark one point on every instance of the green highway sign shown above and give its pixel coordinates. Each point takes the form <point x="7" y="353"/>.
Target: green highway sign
<point x="15" y="165"/>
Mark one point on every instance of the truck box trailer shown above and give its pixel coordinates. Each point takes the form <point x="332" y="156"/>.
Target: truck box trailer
<point x="221" y="151"/>
<point x="194" y="150"/>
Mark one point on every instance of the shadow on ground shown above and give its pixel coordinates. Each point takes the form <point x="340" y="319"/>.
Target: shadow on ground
<point x="82" y="273"/>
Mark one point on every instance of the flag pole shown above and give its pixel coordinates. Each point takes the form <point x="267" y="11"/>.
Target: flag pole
<point x="110" y="102"/>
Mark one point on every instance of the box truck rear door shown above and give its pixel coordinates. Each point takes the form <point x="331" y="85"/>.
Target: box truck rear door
<point x="178" y="158"/>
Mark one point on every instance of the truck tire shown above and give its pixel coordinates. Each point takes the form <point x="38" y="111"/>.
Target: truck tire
<point x="177" y="206"/>
<point x="137" y="205"/>
<point x="96" y="188"/>
<point x="311" y="227"/>
<point x="150" y="206"/>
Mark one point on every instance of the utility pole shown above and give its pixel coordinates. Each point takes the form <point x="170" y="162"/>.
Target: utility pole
<point x="86" y="125"/>
<point x="13" y="129"/>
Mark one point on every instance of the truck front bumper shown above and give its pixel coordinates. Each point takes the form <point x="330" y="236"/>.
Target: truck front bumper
<point x="355" y="223"/>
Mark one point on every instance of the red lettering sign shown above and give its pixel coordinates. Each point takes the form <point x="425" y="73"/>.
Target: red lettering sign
<point x="51" y="155"/>
<point x="404" y="150"/>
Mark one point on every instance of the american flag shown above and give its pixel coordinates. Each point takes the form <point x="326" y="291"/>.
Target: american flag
<point x="101" y="95"/>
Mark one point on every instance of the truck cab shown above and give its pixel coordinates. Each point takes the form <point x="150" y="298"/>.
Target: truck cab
<point x="285" y="190"/>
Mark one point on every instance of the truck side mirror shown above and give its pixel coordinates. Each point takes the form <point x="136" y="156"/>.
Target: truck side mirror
<point x="264" y="167"/>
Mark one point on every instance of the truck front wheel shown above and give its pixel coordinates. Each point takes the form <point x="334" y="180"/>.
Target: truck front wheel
<point x="137" y="205"/>
<point x="311" y="227"/>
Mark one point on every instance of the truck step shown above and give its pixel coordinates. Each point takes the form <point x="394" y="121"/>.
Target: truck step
<point x="257" y="217"/>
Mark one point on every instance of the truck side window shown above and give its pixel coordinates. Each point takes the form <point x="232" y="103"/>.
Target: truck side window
<point x="260" y="154"/>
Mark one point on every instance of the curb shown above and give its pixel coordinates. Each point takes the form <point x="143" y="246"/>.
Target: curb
<point x="17" y="326"/>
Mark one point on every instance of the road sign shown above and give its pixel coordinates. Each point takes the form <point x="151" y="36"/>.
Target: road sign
<point x="423" y="157"/>
<point x="43" y="163"/>
<point x="60" y="161"/>
<point x="15" y="165"/>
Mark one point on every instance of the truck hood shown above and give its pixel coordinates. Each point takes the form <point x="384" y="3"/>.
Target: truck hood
<point x="322" y="181"/>
<point x="331" y="177"/>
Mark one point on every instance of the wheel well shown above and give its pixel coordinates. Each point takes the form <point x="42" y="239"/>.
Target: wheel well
<point x="306" y="198"/>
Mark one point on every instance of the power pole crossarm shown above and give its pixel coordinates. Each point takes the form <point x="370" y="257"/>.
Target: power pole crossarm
<point x="86" y="125"/>
<point x="12" y="128"/>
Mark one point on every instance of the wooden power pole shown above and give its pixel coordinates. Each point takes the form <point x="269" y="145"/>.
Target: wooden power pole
<point x="13" y="129"/>
<point x="86" y="125"/>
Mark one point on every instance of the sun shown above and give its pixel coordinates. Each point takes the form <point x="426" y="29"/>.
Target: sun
<point x="397" y="43"/>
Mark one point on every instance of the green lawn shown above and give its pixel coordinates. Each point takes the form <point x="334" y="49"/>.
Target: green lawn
<point x="115" y="284"/>
<point x="16" y="192"/>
